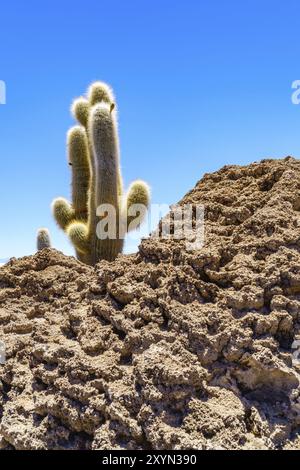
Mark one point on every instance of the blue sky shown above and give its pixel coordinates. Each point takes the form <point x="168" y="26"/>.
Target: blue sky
<point x="199" y="84"/>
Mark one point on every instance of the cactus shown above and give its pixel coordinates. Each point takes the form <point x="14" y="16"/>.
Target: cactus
<point x="43" y="239"/>
<point x="93" y="149"/>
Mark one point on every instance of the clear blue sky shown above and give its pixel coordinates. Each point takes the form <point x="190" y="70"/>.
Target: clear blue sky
<point x="199" y="84"/>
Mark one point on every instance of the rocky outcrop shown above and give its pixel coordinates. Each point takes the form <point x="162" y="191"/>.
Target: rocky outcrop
<point x="168" y="348"/>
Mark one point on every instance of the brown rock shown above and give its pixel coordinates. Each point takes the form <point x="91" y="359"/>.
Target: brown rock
<point x="168" y="348"/>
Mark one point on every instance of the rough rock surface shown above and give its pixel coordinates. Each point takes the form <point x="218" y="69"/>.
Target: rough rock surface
<point x="168" y="348"/>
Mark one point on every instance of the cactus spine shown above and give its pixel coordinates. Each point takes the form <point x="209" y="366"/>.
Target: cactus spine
<point x="43" y="239"/>
<point x="93" y="149"/>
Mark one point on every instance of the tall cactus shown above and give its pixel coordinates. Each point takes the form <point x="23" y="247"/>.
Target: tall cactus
<point x="93" y="149"/>
<point x="43" y="239"/>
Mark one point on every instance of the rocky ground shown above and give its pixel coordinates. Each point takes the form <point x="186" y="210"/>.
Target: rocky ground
<point x="168" y="348"/>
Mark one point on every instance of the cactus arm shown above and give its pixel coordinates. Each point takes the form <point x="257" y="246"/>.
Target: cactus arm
<point x="138" y="193"/>
<point x="78" y="155"/>
<point x="63" y="212"/>
<point x="43" y="239"/>
<point x="100" y="92"/>
<point x="80" y="110"/>
<point x="78" y="234"/>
